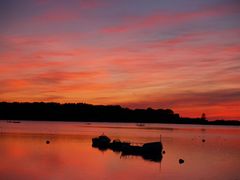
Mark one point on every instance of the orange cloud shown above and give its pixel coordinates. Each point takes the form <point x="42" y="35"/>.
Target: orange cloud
<point x="158" y="58"/>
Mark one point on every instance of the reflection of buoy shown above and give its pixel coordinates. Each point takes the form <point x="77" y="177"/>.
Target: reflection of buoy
<point x="181" y="161"/>
<point x="203" y="140"/>
<point x="47" y="142"/>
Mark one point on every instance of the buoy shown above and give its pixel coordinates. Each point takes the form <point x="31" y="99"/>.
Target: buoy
<point x="181" y="161"/>
<point x="47" y="142"/>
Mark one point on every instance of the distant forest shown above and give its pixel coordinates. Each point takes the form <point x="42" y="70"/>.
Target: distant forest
<point x="96" y="113"/>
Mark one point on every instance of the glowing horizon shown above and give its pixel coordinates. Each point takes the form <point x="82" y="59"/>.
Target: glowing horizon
<point x="179" y="55"/>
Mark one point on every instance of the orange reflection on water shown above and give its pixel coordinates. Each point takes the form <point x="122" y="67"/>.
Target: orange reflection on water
<point x="25" y="154"/>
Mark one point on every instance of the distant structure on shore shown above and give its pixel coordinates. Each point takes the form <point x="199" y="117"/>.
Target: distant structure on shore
<point x="96" y="113"/>
<point x="203" y="116"/>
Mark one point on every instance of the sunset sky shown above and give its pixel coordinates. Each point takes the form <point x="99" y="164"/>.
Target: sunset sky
<point x="178" y="54"/>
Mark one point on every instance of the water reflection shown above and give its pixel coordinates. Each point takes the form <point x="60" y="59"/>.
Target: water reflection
<point x="154" y="157"/>
<point x="147" y="157"/>
<point x="69" y="155"/>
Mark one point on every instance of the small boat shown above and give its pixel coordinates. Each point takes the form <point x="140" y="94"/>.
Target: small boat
<point x="149" y="151"/>
<point x="10" y="121"/>
<point x="102" y="142"/>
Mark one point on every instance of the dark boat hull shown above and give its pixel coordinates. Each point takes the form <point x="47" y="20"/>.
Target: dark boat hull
<point x="149" y="151"/>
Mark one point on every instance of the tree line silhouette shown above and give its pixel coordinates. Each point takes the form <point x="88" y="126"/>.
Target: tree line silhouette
<point x="93" y="113"/>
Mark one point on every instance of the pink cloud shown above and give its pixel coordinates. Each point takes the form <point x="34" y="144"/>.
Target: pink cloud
<point x="92" y="4"/>
<point x="66" y="68"/>
<point x="62" y="14"/>
<point x="52" y="77"/>
<point x="42" y="1"/>
<point x="30" y="40"/>
<point x="58" y="14"/>
<point x="57" y="53"/>
<point x="170" y="19"/>
<point x="217" y="104"/>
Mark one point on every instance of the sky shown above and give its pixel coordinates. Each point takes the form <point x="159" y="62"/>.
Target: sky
<point x="183" y="55"/>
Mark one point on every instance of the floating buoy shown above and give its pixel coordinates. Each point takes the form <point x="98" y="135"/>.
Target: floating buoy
<point x="203" y="140"/>
<point x="164" y="152"/>
<point x="47" y="142"/>
<point x="181" y="161"/>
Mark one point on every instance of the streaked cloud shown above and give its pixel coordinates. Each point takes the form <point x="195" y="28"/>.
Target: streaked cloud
<point x="154" y="53"/>
<point x="166" y="18"/>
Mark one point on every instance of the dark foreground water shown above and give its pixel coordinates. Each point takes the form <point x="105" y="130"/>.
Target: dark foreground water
<point x="25" y="154"/>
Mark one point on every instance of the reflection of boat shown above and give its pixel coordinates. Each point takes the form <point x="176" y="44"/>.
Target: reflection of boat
<point x="149" y="151"/>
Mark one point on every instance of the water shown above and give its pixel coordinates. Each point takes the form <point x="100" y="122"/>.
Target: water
<point x="25" y="154"/>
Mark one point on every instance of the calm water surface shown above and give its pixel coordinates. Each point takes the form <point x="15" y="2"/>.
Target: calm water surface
<point x="25" y="154"/>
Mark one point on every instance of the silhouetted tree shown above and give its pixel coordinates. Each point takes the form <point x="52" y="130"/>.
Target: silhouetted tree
<point x="99" y="113"/>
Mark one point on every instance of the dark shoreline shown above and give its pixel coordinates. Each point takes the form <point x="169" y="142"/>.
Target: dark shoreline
<point x="80" y="112"/>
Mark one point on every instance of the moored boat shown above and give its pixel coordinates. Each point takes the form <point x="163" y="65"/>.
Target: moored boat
<point x="150" y="151"/>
